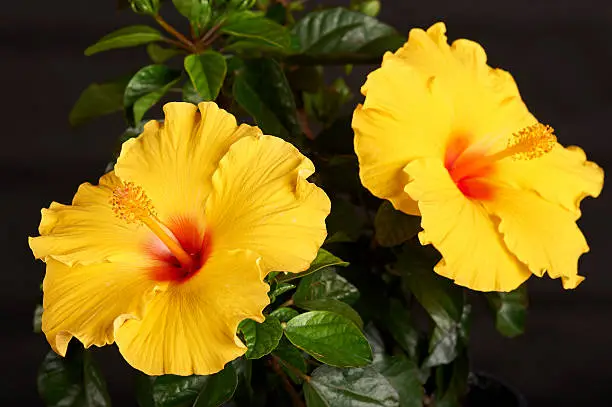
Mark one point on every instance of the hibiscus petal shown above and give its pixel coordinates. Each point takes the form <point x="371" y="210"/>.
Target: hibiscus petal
<point x="403" y="117"/>
<point x="563" y="176"/>
<point x="191" y="327"/>
<point x="88" y="231"/>
<point x="174" y="161"/>
<point x="87" y="302"/>
<point x="473" y="252"/>
<point x="261" y="201"/>
<point x="541" y="234"/>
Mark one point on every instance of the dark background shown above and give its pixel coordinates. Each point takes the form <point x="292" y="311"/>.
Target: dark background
<point x="558" y="51"/>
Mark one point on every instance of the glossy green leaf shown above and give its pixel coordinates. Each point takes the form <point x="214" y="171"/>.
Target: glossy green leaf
<point x="194" y="391"/>
<point x="442" y="299"/>
<point x="284" y="314"/>
<point x="207" y="72"/>
<point x="150" y="7"/>
<point x="190" y="94"/>
<point x="329" y="338"/>
<point x="258" y="31"/>
<point x="338" y="33"/>
<point x="363" y="387"/>
<point x="261" y="339"/>
<point x="400" y="325"/>
<point x="510" y="311"/>
<point x="403" y="374"/>
<point x="292" y="356"/>
<point x="332" y="305"/>
<point x="125" y="37"/>
<point x="37" y="320"/>
<point x="98" y="100"/>
<point x="368" y="7"/>
<point x="279" y="289"/>
<point x="145" y="89"/>
<point x="159" y="54"/>
<point x="261" y="88"/>
<point x="323" y="260"/>
<point x="73" y="381"/>
<point x="447" y="343"/>
<point x="198" y="12"/>
<point x="325" y="284"/>
<point x="394" y="227"/>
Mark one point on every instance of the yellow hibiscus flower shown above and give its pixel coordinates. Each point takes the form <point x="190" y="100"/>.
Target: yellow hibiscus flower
<point x="444" y="136"/>
<point x="168" y="253"/>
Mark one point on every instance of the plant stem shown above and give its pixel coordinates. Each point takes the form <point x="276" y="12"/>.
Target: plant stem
<point x="174" y="32"/>
<point x="296" y="400"/>
<point x="287" y="303"/>
<point x="210" y="36"/>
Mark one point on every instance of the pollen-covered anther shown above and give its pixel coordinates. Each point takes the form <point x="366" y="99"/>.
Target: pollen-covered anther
<point x="532" y="142"/>
<point x="131" y="203"/>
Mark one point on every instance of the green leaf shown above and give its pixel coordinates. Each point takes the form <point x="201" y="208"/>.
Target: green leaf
<point x="323" y="260"/>
<point x="207" y="72"/>
<point x="332" y="305"/>
<point x="259" y="31"/>
<point x="325" y="104"/>
<point x="280" y="289"/>
<point x="195" y="391"/>
<point x="344" y="220"/>
<point x="400" y="325"/>
<point x="284" y="314"/>
<point x="447" y="343"/>
<point x="198" y="12"/>
<point x="150" y="7"/>
<point x="368" y="7"/>
<point x="37" y="320"/>
<point x="394" y="227"/>
<point x="341" y="34"/>
<point x="290" y="355"/>
<point x="452" y="382"/>
<point x="329" y="338"/>
<point x="145" y="89"/>
<point x="442" y="299"/>
<point x="363" y="387"/>
<point x="190" y="94"/>
<point x="510" y="311"/>
<point x="261" y="88"/>
<point x="403" y="374"/>
<point x="325" y="284"/>
<point x="73" y="381"/>
<point x="98" y="100"/>
<point x="261" y="339"/>
<point x="125" y="37"/>
<point x="159" y="55"/>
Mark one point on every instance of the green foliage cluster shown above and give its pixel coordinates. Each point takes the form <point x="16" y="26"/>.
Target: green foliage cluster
<point x="384" y="330"/>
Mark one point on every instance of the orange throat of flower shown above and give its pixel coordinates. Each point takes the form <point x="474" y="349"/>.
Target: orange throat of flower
<point x="470" y="165"/>
<point x="180" y="249"/>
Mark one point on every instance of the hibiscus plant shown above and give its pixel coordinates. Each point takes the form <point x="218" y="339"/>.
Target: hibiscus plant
<point x="228" y="272"/>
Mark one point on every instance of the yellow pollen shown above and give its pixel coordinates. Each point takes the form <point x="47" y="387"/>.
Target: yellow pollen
<point x="131" y="204"/>
<point x="532" y="142"/>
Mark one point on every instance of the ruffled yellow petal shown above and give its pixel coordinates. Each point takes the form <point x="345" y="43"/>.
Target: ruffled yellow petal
<point x="88" y="302"/>
<point x="541" y="234"/>
<point x="174" y="161"/>
<point x="486" y="101"/>
<point x="88" y="231"/>
<point x="473" y="252"/>
<point x="404" y="117"/>
<point x="563" y="177"/>
<point x="261" y="201"/>
<point x="191" y="327"/>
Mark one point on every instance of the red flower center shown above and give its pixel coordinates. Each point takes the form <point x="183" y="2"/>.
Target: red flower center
<point x="194" y="241"/>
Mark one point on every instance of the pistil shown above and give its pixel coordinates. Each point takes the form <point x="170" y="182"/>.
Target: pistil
<point x="131" y="204"/>
<point x="529" y="143"/>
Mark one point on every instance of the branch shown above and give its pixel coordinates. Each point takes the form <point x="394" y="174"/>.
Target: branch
<point x="174" y="32"/>
<point x="295" y="397"/>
